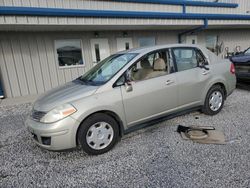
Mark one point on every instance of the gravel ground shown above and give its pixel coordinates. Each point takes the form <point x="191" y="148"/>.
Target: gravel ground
<point x="152" y="157"/>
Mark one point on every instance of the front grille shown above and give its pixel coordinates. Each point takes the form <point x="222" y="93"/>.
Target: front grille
<point x="46" y="140"/>
<point x="37" y="115"/>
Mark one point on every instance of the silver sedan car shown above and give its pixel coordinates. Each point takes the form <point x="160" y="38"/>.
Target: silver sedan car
<point x="128" y="90"/>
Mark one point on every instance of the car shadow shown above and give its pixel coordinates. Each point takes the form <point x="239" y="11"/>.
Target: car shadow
<point x="243" y="85"/>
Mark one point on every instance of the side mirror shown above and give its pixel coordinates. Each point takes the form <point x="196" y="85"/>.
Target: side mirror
<point x="128" y="86"/>
<point x="202" y="64"/>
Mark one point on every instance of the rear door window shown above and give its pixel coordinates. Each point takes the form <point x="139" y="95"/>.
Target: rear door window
<point x="185" y="58"/>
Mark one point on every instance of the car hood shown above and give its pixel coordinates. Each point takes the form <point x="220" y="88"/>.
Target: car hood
<point x="63" y="94"/>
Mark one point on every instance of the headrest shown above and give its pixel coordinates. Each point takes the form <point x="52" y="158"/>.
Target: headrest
<point x="145" y="64"/>
<point x="159" y="65"/>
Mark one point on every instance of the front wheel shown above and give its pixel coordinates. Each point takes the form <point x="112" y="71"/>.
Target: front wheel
<point x="98" y="134"/>
<point x="214" y="101"/>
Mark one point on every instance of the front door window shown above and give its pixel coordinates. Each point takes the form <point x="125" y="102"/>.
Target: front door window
<point x="152" y="65"/>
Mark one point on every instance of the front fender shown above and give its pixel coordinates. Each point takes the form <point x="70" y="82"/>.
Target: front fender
<point x="106" y="101"/>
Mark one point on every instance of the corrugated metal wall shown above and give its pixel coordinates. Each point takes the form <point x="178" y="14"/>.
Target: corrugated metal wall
<point x="244" y="6"/>
<point x="113" y="5"/>
<point x="91" y="4"/>
<point x="7" y="22"/>
<point x="231" y="39"/>
<point x="29" y="66"/>
<point x="28" y="60"/>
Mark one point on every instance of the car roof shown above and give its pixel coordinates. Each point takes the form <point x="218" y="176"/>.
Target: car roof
<point x="152" y="48"/>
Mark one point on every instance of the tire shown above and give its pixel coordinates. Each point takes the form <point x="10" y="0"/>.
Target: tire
<point x="98" y="134"/>
<point x="214" y="106"/>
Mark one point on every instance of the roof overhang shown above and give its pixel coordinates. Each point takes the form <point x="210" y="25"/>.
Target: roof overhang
<point x="53" y="27"/>
<point x="185" y="3"/>
<point x="48" y="19"/>
<point x="59" y="12"/>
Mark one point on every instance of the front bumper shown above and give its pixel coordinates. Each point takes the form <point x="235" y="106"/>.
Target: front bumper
<point x="60" y="135"/>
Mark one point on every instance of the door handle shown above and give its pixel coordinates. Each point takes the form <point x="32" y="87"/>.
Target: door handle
<point x="205" y="72"/>
<point x="169" y="82"/>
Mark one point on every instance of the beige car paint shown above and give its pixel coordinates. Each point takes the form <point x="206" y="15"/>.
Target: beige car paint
<point x="149" y="99"/>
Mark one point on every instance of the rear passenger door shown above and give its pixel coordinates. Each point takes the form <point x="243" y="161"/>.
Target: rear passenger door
<point x="191" y="78"/>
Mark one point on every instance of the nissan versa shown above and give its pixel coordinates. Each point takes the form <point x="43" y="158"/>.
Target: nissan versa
<point x="129" y="89"/>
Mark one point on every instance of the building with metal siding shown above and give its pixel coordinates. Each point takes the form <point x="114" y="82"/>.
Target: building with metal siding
<point x="33" y="31"/>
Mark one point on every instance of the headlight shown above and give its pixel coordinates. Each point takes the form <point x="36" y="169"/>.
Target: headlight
<point x="58" y="113"/>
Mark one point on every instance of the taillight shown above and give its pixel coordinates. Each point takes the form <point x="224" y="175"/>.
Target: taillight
<point x="232" y="68"/>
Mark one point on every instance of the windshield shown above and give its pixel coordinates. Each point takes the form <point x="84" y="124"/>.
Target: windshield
<point x="247" y="51"/>
<point x="106" y="69"/>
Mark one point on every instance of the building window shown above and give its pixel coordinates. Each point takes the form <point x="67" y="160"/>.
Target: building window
<point x="69" y="53"/>
<point x="146" y="41"/>
<point x="211" y="42"/>
<point x="97" y="53"/>
<point x="127" y="45"/>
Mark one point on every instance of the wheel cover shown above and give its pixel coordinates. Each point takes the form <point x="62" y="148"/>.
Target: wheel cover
<point x="99" y="135"/>
<point x="215" y="100"/>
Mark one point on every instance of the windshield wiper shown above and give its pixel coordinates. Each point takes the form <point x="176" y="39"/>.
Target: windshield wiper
<point x="81" y="80"/>
<point x="89" y="82"/>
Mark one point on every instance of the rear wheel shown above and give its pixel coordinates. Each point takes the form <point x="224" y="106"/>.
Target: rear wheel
<point x="98" y="134"/>
<point x="214" y="100"/>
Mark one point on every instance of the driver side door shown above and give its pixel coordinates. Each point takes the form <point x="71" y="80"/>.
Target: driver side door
<point x="150" y="98"/>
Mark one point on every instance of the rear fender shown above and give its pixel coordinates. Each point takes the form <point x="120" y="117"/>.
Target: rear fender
<point x="214" y="81"/>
